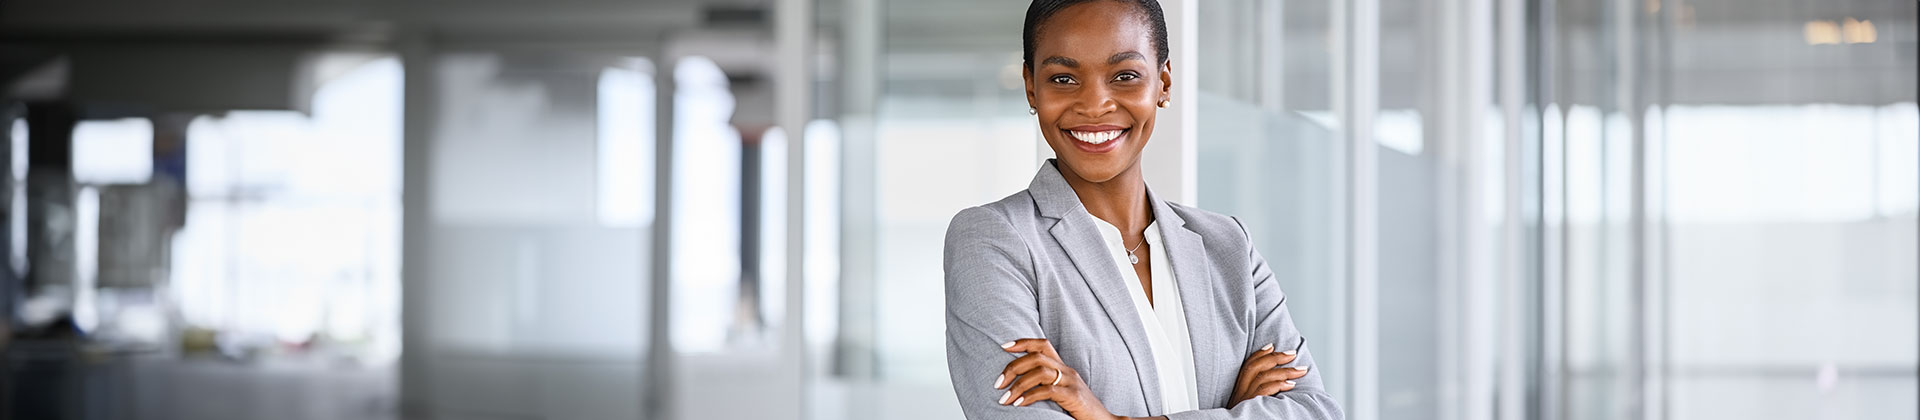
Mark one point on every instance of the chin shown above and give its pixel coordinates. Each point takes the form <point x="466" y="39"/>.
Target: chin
<point x="1095" y="169"/>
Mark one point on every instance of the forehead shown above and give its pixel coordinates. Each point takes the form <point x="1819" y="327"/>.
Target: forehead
<point x="1095" y="28"/>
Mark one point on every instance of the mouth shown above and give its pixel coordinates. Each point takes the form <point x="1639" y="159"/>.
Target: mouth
<point x="1097" y="138"/>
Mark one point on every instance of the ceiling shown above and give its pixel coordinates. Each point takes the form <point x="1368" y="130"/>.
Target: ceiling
<point x="1719" y="50"/>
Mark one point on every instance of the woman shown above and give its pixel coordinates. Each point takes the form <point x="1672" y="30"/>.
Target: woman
<point x="1085" y="295"/>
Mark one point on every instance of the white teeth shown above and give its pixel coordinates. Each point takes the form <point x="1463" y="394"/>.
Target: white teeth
<point x="1095" y="137"/>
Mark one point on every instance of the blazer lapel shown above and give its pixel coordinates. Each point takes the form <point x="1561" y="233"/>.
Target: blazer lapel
<point x="1077" y="234"/>
<point x="1187" y="252"/>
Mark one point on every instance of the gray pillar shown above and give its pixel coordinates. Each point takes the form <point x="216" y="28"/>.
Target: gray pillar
<point x="420" y="117"/>
<point x="853" y="355"/>
<point x="793" y="29"/>
<point x="658" y="384"/>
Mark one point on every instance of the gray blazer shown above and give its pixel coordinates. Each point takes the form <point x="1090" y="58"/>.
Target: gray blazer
<point x="1032" y="265"/>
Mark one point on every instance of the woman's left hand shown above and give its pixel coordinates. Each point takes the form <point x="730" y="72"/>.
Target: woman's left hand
<point x="1262" y="373"/>
<point x="1042" y="376"/>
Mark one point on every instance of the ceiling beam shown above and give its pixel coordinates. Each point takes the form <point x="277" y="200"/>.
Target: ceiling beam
<point x="368" y="20"/>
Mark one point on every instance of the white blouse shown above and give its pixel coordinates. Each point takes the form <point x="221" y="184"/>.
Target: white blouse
<point x="1164" y="318"/>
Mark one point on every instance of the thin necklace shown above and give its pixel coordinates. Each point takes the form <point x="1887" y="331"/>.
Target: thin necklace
<point x="1135" y="259"/>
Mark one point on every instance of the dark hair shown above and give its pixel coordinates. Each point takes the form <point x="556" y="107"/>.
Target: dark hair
<point x="1041" y="10"/>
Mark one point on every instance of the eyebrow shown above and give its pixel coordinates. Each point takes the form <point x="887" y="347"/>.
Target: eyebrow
<point x="1115" y="59"/>
<point x="1061" y="61"/>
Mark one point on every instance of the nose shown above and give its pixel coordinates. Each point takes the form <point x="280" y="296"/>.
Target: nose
<point x="1096" y="101"/>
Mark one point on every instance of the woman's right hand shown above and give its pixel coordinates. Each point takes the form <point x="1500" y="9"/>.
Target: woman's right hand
<point x="1041" y="375"/>
<point x="1261" y="374"/>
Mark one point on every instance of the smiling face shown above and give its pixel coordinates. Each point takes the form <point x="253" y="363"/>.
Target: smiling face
<point x="1095" y="82"/>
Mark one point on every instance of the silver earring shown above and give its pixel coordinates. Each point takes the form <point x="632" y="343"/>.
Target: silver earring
<point x="1033" y="111"/>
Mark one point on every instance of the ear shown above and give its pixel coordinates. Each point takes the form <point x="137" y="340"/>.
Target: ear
<point x="1026" y="75"/>
<point x="1166" y="80"/>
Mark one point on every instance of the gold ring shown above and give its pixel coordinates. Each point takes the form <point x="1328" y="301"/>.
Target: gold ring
<point x="1056" y="377"/>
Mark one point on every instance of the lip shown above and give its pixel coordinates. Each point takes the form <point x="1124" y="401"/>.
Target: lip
<point x="1104" y="127"/>
<point x="1104" y="147"/>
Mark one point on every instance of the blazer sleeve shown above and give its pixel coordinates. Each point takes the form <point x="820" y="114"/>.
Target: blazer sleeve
<point x="990" y="301"/>
<point x="1309" y="398"/>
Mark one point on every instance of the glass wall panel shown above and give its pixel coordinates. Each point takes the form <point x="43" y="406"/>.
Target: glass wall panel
<point x="1271" y="148"/>
<point x="933" y="120"/>
<point x="1738" y="173"/>
<point x="533" y="286"/>
<point x="1789" y="171"/>
<point x="1594" y="86"/>
<point x="1413" y="311"/>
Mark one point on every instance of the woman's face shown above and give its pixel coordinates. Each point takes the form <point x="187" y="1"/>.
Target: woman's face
<point x="1095" y="85"/>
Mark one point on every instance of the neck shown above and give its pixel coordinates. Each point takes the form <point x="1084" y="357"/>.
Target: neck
<point x="1121" y="201"/>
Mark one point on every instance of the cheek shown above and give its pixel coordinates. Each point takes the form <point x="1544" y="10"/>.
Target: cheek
<point x="1148" y="95"/>
<point x="1143" y="116"/>
<point x="1054" y="104"/>
<point x="1048" y="134"/>
<point x="1047" y="116"/>
<point x="1048" y="108"/>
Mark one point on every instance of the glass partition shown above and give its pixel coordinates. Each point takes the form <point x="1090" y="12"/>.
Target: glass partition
<point x="1272" y="151"/>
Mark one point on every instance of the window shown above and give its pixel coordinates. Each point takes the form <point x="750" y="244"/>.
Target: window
<point x="293" y="222"/>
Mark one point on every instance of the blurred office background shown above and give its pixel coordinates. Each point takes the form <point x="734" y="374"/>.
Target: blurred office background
<point x="717" y="209"/>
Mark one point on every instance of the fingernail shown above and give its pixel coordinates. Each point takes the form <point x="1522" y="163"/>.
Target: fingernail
<point x="1290" y="352"/>
<point x="1268" y="347"/>
<point x="1004" y="397"/>
<point x="1290" y="383"/>
<point x="997" y="382"/>
<point x="1021" y="400"/>
<point x="1007" y="346"/>
<point x="1298" y="368"/>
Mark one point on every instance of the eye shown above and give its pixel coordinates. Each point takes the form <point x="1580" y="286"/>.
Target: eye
<point x="1128" y="76"/>
<point x="1061" y="79"/>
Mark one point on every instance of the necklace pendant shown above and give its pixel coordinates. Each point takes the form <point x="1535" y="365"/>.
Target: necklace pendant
<point x="1134" y="259"/>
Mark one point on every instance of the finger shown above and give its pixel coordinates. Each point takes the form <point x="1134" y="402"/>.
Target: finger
<point x="1270" y="361"/>
<point x="1027" y="364"/>
<point x="1253" y="365"/>
<point x="1271" y="388"/>
<point x="1278" y="385"/>
<point x="1030" y="345"/>
<point x="1042" y="393"/>
<point x="1285" y="357"/>
<point x="1274" y="375"/>
<point x="1038" y="378"/>
<point x="1261" y="352"/>
<point x="1249" y="368"/>
<point x="1295" y="372"/>
<point x="1006" y="374"/>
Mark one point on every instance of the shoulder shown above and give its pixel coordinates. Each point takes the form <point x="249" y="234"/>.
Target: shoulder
<point x="1000" y="217"/>
<point x="987" y="245"/>
<point x="994" y="226"/>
